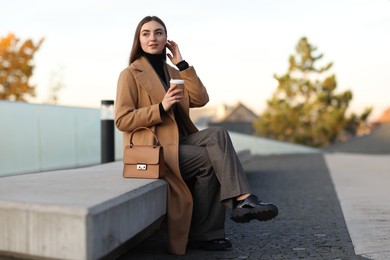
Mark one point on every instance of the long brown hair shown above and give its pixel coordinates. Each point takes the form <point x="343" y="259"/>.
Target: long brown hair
<point x="136" y="50"/>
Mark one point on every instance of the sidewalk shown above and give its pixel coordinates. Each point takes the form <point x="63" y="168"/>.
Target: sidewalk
<point x="362" y="186"/>
<point x="310" y="224"/>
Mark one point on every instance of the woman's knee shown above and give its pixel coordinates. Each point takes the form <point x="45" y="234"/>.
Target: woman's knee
<point x="221" y="135"/>
<point x="219" y="131"/>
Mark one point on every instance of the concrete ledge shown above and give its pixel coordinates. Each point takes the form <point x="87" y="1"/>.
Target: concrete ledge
<point x="81" y="213"/>
<point x="84" y="213"/>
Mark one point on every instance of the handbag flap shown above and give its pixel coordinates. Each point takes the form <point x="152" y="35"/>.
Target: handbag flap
<point x="141" y="154"/>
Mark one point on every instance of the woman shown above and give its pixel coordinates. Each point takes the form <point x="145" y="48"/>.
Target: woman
<point x="202" y="168"/>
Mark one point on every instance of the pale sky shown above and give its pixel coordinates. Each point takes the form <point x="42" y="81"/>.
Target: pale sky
<point x="235" y="46"/>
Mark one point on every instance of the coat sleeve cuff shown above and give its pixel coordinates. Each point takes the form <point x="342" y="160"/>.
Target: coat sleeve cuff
<point x="183" y="65"/>
<point x="162" y="111"/>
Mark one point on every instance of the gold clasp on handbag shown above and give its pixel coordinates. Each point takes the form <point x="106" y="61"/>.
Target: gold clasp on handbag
<point x="141" y="166"/>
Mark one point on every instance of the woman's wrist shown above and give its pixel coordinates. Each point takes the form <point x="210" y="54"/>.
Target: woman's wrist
<point x="162" y="110"/>
<point x="182" y="65"/>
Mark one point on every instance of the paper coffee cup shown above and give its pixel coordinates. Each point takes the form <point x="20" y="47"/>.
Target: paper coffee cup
<point x="177" y="81"/>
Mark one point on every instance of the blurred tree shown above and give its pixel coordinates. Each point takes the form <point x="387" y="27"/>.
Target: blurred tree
<point x="16" y="67"/>
<point x="56" y="84"/>
<point x="305" y="109"/>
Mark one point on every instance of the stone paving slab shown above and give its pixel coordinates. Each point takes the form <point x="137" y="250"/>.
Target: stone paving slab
<point x="310" y="224"/>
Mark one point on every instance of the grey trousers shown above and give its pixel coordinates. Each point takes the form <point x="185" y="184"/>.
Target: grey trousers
<point x="211" y="169"/>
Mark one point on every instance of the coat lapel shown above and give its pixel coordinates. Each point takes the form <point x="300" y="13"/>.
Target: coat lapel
<point x="150" y="81"/>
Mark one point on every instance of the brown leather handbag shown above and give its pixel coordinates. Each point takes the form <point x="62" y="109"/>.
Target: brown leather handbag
<point x="143" y="161"/>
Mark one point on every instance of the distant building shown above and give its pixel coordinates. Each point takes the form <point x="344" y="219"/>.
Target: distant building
<point x="370" y="139"/>
<point x="238" y="118"/>
<point x="377" y="142"/>
<point x="202" y="116"/>
<point x="385" y="117"/>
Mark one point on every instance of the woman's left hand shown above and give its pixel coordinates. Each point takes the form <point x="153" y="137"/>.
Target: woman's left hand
<point x="175" y="57"/>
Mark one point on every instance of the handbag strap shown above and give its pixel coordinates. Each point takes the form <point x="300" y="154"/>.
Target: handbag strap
<point x="144" y="128"/>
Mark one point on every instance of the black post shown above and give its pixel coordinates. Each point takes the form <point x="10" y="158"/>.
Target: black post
<point x="107" y="131"/>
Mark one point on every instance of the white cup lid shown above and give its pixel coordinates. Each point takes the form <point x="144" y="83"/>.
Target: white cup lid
<point x="177" y="81"/>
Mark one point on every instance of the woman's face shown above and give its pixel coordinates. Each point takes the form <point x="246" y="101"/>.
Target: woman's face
<point x="153" y="37"/>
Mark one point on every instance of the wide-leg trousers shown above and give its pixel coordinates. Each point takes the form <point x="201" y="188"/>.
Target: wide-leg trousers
<point x="212" y="170"/>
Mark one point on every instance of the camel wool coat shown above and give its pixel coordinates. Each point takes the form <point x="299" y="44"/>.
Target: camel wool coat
<point x="139" y="93"/>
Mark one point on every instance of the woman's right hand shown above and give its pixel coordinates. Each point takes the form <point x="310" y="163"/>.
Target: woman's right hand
<point x="173" y="96"/>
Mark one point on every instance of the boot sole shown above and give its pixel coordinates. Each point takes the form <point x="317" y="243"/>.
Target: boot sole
<point x="244" y="215"/>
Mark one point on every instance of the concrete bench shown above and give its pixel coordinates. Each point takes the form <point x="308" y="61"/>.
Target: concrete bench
<point x="84" y="213"/>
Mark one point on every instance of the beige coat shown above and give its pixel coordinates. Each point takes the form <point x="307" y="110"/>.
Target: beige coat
<point x="139" y="93"/>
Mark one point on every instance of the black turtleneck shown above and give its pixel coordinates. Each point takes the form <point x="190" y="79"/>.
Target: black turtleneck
<point x="157" y="61"/>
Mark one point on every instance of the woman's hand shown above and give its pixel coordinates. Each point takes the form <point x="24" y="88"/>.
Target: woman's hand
<point x="175" y="57"/>
<point x="174" y="95"/>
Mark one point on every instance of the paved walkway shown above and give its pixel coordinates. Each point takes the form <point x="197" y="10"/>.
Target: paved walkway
<point x="362" y="186"/>
<point x="310" y="224"/>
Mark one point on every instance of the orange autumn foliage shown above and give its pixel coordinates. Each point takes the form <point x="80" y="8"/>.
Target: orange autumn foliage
<point x="16" y="67"/>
